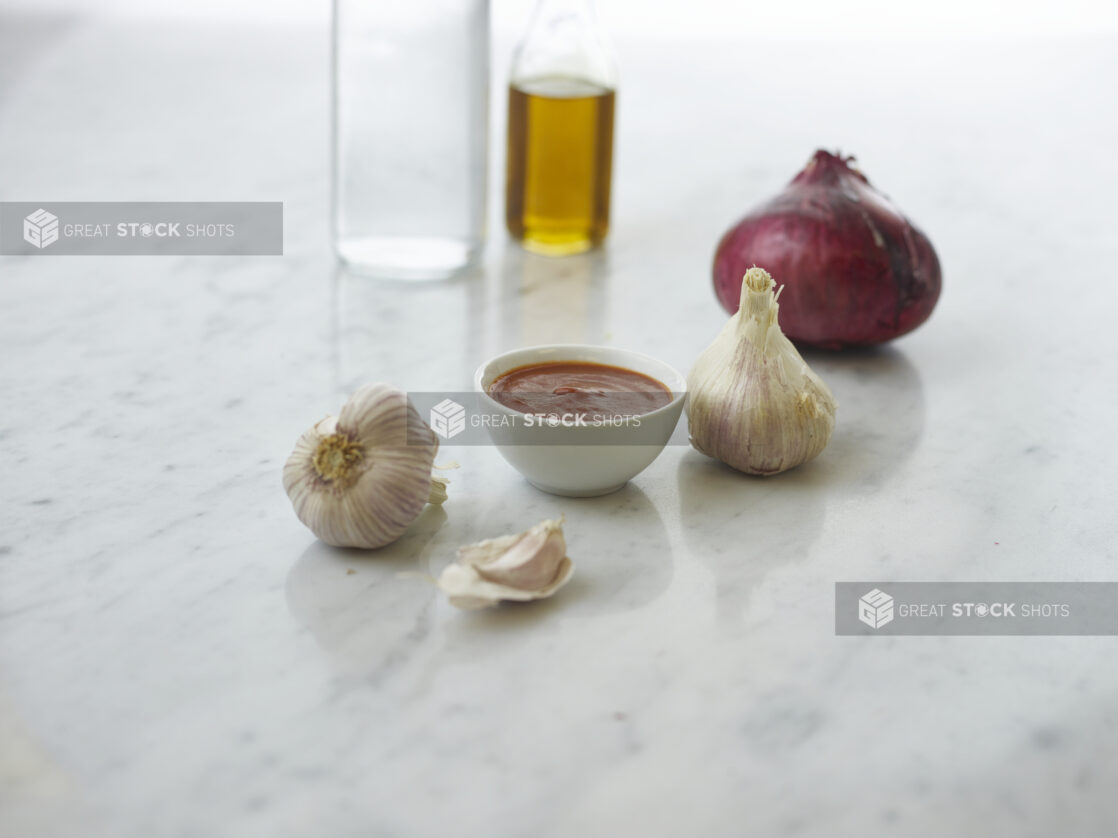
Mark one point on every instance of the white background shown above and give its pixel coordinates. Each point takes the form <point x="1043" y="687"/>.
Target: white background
<point x="798" y="18"/>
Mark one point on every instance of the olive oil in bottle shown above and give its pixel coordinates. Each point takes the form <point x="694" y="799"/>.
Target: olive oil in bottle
<point x="560" y="160"/>
<point x="562" y="91"/>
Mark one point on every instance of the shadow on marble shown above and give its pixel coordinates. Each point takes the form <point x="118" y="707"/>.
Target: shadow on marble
<point x="881" y="415"/>
<point x="368" y="608"/>
<point x="399" y="331"/>
<point x="552" y="300"/>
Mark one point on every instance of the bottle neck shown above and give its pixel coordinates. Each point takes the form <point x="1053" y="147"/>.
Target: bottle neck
<point x="565" y="39"/>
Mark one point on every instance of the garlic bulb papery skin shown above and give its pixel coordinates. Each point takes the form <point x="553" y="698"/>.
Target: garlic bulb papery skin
<point x="526" y="566"/>
<point x="752" y="401"/>
<point x="359" y="479"/>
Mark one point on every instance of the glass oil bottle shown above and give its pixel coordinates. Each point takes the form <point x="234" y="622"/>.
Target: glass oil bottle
<point x="559" y="165"/>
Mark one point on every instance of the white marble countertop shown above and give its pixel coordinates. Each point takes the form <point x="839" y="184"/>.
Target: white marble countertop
<point x="179" y="656"/>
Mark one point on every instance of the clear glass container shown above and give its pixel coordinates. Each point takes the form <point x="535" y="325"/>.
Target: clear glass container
<point x="562" y="98"/>
<point x="410" y="135"/>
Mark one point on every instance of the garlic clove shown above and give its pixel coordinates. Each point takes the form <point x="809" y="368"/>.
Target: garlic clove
<point x="520" y="567"/>
<point x="753" y="402"/>
<point x="361" y="478"/>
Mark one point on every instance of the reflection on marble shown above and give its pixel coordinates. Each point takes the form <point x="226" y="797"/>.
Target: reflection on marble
<point x="553" y="300"/>
<point x="398" y="331"/>
<point x="778" y="522"/>
<point x="334" y="591"/>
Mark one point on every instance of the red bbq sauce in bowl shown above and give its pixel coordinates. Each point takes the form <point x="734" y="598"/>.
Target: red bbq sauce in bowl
<point x="579" y="388"/>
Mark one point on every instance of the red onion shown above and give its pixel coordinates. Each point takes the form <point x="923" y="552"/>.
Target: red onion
<point x="855" y="270"/>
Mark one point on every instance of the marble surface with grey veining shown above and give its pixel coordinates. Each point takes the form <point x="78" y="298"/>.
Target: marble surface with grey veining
<point x="179" y="657"/>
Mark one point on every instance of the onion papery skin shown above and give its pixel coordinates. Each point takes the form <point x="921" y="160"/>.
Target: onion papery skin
<point x="856" y="271"/>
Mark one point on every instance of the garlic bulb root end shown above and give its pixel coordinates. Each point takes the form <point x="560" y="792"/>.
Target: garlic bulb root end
<point x="336" y="459"/>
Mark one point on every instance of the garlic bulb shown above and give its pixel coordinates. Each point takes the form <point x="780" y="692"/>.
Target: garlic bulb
<point x="359" y="480"/>
<point x="752" y="401"/>
<point x="528" y="565"/>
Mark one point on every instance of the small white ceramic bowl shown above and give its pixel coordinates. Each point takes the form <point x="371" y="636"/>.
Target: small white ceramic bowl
<point x="589" y="460"/>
